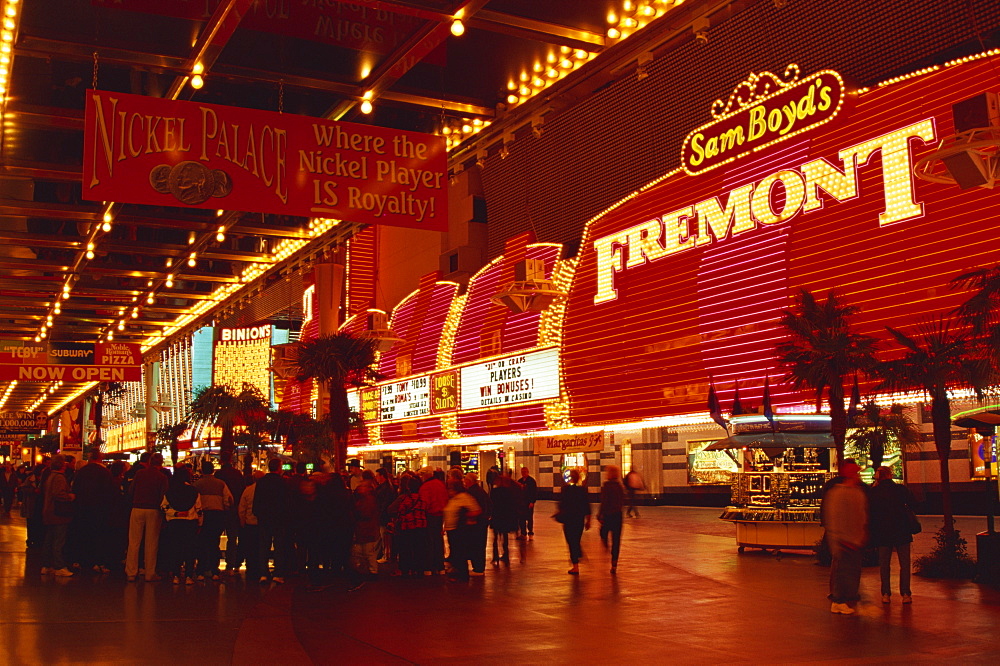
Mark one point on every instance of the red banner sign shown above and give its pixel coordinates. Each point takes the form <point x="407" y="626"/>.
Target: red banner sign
<point x="166" y="153"/>
<point x="70" y="361"/>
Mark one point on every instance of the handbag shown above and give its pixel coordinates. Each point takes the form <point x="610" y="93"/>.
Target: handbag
<point x="914" y="522"/>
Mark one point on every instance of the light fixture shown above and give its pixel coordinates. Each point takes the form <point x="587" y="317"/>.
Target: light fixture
<point x="366" y="102"/>
<point x="221" y="234"/>
<point x="121" y="326"/>
<point x="106" y="227"/>
<point x="111" y="336"/>
<point x="170" y="281"/>
<point x="457" y="27"/>
<point x="193" y="260"/>
<point x="57" y="309"/>
<point x="150" y="299"/>
<point x="197" y="81"/>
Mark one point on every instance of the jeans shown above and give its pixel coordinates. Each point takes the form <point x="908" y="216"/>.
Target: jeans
<point x="458" y="543"/>
<point x="235" y="548"/>
<point x="612" y="524"/>
<point x="54" y="546"/>
<point x="143" y="523"/>
<point x="903" y="557"/>
<point x="365" y="557"/>
<point x="435" y="543"/>
<point x="212" y="526"/>
<point x="574" y="532"/>
<point x="277" y="534"/>
<point x="181" y="538"/>
<point x="250" y="543"/>
<point x="501" y="547"/>
<point x="845" y="573"/>
<point x="526" y="523"/>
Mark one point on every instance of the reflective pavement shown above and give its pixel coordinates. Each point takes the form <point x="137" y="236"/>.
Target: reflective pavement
<point x="682" y="595"/>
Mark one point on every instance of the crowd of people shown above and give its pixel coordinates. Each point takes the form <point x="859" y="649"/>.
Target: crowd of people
<point x="155" y="523"/>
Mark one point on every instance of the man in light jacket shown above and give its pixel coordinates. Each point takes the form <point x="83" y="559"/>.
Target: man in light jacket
<point x="845" y="517"/>
<point x="216" y="501"/>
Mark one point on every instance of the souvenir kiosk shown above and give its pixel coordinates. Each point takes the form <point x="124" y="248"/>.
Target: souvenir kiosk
<point x="783" y="465"/>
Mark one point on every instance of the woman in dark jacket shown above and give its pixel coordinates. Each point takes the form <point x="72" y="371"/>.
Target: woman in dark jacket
<point x="574" y="514"/>
<point x="504" y="518"/>
<point x="890" y="528"/>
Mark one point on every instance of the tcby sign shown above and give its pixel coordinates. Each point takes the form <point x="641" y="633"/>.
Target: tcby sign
<point x="173" y="153"/>
<point x="767" y="110"/>
<point x="70" y="361"/>
<point x="405" y="399"/>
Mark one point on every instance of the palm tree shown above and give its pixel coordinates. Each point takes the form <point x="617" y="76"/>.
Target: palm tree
<point x="223" y="406"/>
<point x="340" y="361"/>
<point x="821" y="351"/>
<point x="935" y="360"/>
<point x="877" y="431"/>
<point x="169" y="434"/>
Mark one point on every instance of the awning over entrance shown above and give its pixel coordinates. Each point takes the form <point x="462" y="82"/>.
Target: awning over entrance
<point x="761" y="440"/>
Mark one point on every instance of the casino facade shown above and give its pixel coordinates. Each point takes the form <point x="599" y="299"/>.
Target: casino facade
<point x="612" y="253"/>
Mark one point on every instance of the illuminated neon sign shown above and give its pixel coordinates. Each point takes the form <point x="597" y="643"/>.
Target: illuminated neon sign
<point x="756" y="203"/>
<point x="762" y="111"/>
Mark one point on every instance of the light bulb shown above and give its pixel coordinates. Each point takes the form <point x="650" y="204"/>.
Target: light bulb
<point x="366" y="106"/>
<point x="193" y="260"/>
<point x="121" y="326"/>
<point x="150" y="299"/>
<point x="170" y="280"/>
<point x="197" y="81"/>
<point x="106" y="227"/>
<point x="90" y="254"/>
<point x="219" y="237"/>
<point x="57" y="309"/>
<point x="457" y="28"/>
<point x="198" y="68"/>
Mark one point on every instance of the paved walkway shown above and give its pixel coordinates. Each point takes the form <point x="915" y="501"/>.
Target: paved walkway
<point x="682" y="596"/>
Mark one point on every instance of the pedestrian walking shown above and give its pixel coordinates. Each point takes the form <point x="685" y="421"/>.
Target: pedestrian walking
<point x="236" y="550"/>
<point x="574" y="514"/>
<point x="505" y="514"/>
<point x="610" y="513"/>
<point x="434" y="496"/>
<point x="94" y="491"/>
<point x="478" y="538"/>
<point x="57" y="511"/>
<point x="845" y="512"/>
<point x="271" y="505"/>
<point x="410" y="522"/>
<point x="148" y="488"/>
<point x="529" y="495"/>
<point x="891" y="527"/>
<point x="366" y="528"/>
<point x="633" y="484"/>
<point x="8" y="487"/>
<point x="460" y="514"/>
<point x="216" y="503"/>
<point x="182" y="509"/>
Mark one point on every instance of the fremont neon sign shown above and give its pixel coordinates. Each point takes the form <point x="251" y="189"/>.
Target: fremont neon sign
<point x="753" y="205"/>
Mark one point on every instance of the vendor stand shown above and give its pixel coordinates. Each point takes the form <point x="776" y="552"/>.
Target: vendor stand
<point x="784" y="464"/>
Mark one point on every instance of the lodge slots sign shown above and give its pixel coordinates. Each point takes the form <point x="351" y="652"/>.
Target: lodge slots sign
<point x="174" y="153"/>
<point x="70" y="361"/>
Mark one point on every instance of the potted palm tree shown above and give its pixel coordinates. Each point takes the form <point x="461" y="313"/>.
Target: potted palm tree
<point x="168" y="435"/>
<point x="821" y="351"/>
<point x="339" y="361"/>
<point x="934" y="360"/>
<point x="877" y="432"/>
<point x="224" y="407"/>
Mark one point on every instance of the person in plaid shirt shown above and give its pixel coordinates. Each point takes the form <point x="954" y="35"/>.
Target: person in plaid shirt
<point x="410" y="526"/>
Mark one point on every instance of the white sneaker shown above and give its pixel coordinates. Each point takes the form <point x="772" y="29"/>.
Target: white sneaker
<point x="64" y="572"/>
<point x="843" y="609"/>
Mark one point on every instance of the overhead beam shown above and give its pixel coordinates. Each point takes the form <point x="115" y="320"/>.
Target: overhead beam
<point x="518" y="26"/>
